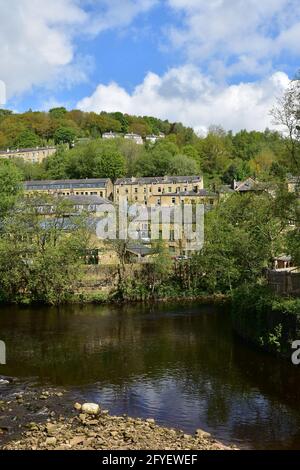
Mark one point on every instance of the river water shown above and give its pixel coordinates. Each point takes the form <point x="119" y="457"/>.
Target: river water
<point x="178" y="363"/>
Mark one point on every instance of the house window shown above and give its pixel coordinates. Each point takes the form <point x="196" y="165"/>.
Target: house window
<point x="126" y="191"/>
<point x="118" y="191"/>
<point x="173" y="200"/>
<point x="170" y="190"/>
<point x="136" y="190"/>
<point x="159" y="190"/>
<point x="159" y="201"/>
<point x="101" y="193"/>
<point x="145" y="190"/>
<point x="178" y="190"/>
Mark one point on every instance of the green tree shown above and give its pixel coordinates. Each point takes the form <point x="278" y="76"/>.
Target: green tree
<point x="242" y="237"/>
<point x="97" y="159"/>
<point x="160" y="269"/>
<point x="182" y="165"/>
<point x="27" y="139"/>
<point x="41" y="255"/>
<point x="10" y="185"/>
<point x="58" y="113"/>
<point x="64" y="135"/>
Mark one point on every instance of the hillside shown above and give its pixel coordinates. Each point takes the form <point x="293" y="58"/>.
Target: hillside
<point x="221" y="156"/>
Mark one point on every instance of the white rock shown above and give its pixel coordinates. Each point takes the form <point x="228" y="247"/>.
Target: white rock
<point x="90" y="409"/>
<point x="4" y="382"/>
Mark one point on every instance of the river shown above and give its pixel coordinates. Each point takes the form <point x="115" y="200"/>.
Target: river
<point x="178" y="363"/>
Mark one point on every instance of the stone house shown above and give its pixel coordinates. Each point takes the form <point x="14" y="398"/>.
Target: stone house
<point x="148" y="190"/>
<point x="33" y="155"/>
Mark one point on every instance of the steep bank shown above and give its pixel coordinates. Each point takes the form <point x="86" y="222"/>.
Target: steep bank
<point x="270" y="322"/>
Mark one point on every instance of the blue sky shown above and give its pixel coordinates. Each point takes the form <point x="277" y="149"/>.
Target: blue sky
<point x="203" y="63"/>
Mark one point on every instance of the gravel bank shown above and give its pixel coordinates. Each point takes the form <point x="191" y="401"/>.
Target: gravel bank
<point x="105" y="432"/>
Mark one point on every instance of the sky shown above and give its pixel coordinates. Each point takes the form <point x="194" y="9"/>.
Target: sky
<point x="200" y="62"/>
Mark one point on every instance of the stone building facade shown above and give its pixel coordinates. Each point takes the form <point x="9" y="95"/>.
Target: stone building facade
<point x="33" y="155"/>
<point x="158" y="190"/>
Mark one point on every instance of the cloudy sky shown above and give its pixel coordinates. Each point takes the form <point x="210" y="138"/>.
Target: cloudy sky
<point x="201" y="62"/>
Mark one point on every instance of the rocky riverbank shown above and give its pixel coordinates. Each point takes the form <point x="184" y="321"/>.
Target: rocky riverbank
<point x="85" y="427"/>
<point x="105" y="432"/>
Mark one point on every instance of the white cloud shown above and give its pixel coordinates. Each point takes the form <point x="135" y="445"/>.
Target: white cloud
<point x="38" y="37"/>
<point x="184" y="94"/>
<point x="116" y="13"/>
<point x="244" y="36"/>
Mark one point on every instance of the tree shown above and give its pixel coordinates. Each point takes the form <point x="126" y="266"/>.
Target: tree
<point x="10" y="185"/>
<point x="182" y="165"/>
<point x="132" y="153"/>
<point x="64" y="135"/>
<point x="287" y="115"/>
<point x="261" y="163"/>
<point x="58" y="113"/>
<point x="161" y="267"/>
<point x="97" y="159"/>
<point x="27" y="139"/>
<point x="246" y="145"/>
<point x="56" y="165"/>
<point x="41" y="247"/>
<point x="214" y="152"/>
<point x="156" y="162"/>
<point x="242" y="237"/>
<point x="5" y="112"/>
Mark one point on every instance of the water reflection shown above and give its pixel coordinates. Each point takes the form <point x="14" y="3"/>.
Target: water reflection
<point x="179" y="364"/>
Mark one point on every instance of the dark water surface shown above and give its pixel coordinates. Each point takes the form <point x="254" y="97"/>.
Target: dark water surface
<point x="180" y="364"/>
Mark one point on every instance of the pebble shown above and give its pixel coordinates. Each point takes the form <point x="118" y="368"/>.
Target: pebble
<point x="4" y="382"/>
<point x="90" y="409"/>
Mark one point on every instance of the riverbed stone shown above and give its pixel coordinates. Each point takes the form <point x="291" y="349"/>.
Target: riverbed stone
<point x="104" y="432"/>
<point x="90" y="409"/>
<point x="202" y="434"/>
<point x="51" y="441"/>
<point x="51" y="429"/>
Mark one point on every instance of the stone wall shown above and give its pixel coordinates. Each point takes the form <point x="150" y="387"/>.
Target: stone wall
<point x="284" y="282"/>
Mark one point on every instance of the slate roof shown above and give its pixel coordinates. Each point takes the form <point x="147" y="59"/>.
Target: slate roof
<point x="35" y="149"/>
<point x="66" y="184"/>
<point x="159" y="180"/>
